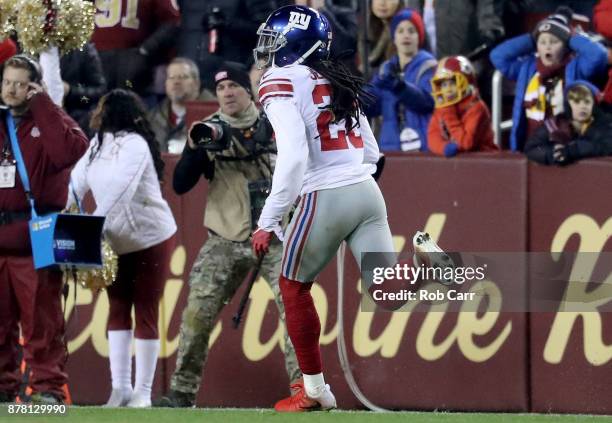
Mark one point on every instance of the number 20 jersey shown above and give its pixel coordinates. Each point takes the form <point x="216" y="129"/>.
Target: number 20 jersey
<point x="335" y="158"/>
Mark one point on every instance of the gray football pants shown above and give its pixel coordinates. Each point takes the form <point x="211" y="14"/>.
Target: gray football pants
<point x="355" y="213"/>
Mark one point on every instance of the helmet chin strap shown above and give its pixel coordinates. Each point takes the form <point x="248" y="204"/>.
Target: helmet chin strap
<point x="309" y="52"/>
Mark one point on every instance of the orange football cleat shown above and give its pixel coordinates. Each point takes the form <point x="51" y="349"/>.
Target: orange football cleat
<point x="298" y="402"/>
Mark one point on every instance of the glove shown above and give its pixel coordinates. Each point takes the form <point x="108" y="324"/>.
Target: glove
<point x="260" y="241"/>
<point x="380" y="165"/>
<point x="450" y="149"/>
<point x="214" y="20"/>
<point x="388" y="77"/>
<point x="560" y="156"/>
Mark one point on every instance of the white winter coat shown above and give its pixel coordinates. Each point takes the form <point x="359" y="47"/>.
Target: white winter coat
<point x="124" y="184"/>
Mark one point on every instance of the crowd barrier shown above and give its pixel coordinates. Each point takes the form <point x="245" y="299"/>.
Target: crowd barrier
<point x="493" y="202"/>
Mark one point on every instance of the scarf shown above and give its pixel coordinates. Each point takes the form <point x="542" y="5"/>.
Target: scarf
<point x="552" y="71"/>
<point x="243" y="120"/>
<point x="544" y="97"/>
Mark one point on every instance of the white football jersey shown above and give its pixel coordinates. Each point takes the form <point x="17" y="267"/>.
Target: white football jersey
<point x="313" y="152"/>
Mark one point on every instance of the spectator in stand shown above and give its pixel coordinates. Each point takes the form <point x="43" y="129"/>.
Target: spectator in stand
<point x="50" y="143"/>
<point x="583" y="7"/>
<point x="344" y="25"/>
<point x="379" y="38"/>
<point x="583" y="131"/>
<point x="123" y="169"/>
<point x="463" y="27"/>
<point x="513" y="12"/>
<point x="218" y="31"/>
<point x="459" y="26"/>
<point x="402" y="88"/>
<point x="542" y="63"/>
<point x="132" y="40"/>
<point x="461" y="121"/>
<point x="168" y="118"/>
<point x="602" y="18"/>
<point x="84" y="83"/>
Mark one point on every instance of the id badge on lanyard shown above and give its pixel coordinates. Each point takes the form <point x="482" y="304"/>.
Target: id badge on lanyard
<point x="8" y="169"/>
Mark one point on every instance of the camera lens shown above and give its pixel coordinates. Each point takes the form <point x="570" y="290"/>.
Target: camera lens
<point x="201" y="133"/>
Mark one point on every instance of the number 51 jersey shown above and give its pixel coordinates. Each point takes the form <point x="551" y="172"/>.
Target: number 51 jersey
<point x="314" y="153"/>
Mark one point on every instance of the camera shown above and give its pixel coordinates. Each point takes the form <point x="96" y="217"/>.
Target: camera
<point x="212" y="135"/>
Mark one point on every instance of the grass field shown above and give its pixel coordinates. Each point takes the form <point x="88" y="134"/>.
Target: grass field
<point x="203" y="415"/>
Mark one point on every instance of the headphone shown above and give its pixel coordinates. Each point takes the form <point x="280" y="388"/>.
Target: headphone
<point x="33" y="66"/>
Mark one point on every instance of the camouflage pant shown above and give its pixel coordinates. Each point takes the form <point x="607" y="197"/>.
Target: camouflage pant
<point x="217" y="272"/>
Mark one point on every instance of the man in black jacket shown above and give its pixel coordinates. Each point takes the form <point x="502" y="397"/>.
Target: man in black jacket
<point x="84" y="83"/>
<point x="217" y="31"/>
<point x="343" y="20"/>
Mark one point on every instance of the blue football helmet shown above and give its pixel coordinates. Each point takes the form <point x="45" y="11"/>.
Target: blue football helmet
<point x="292" y="34"/>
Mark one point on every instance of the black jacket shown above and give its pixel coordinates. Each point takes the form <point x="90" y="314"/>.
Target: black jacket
<point x="343" y="21"/>
<point x="237" y="35"/>
<point x="82" y="70"/>
<point x="132" y="68"/>
<point x="595" y="142"/>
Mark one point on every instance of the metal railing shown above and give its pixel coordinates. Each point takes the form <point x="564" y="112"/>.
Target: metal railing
<point x="496" y="109"/>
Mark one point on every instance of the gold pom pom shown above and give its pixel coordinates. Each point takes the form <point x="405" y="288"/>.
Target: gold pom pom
<point x="8" y="15"/>
<point x="32" y="24"/>
<point x="67" y="24"/>
<point x="75" y="24"/>
<point x="96" y="279"/>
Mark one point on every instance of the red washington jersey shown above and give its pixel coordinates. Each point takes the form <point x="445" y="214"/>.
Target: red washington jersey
<point x="124" y="24"/>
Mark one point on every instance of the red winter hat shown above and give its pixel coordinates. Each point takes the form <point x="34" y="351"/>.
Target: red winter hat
<point x="411" y="15"/>
<point x="8" y="49"/>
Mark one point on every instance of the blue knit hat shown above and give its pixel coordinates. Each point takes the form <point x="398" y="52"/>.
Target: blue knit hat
<point x="594" y="90"/>
<point x="411" y="15"/>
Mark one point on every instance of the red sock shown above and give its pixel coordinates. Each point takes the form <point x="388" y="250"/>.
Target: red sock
<point x="303" y="324"/>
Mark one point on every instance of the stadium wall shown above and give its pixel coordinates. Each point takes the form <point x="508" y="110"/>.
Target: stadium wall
<point x="544" y="362"/>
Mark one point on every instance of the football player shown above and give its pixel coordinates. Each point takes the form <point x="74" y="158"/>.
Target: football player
<point x="326" y="154"/>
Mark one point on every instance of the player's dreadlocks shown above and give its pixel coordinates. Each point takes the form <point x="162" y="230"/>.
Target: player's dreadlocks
<point x="348" y="95"/>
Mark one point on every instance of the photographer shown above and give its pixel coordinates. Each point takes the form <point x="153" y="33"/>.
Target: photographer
<point x="50" y="143"/>
<point x="233" y="150"/>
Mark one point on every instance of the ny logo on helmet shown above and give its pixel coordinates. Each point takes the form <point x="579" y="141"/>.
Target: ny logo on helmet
<point x="299" y="20"/>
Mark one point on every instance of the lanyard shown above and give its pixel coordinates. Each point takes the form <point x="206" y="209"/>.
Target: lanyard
<point x="23" y="174"/>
